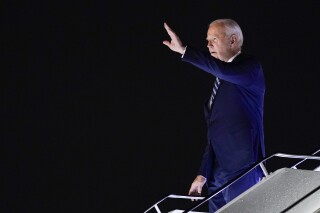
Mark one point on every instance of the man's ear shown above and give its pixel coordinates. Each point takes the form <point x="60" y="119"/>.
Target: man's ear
<point x="233" y="39"/>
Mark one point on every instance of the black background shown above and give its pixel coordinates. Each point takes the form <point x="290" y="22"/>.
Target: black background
<point x="99" y="116"/>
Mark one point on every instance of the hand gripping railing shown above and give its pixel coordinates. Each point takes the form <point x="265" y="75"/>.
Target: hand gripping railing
<point x="172" y="196"/>
<point x="223" y="187"/>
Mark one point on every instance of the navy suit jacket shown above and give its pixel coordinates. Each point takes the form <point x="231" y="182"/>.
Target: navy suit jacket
<point x="235" y="122"/>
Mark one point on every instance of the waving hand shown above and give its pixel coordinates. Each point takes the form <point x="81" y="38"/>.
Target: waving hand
<point x="175" y="44"/>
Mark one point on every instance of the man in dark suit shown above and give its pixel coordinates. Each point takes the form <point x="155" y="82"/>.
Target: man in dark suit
<point x="234" y="112"/>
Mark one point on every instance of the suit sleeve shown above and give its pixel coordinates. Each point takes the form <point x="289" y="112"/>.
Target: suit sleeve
<point x="207" y="162"/>
<point x="243" y="73"/>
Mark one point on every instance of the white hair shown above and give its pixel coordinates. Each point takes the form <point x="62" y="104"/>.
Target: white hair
<point x="231" y="27"/>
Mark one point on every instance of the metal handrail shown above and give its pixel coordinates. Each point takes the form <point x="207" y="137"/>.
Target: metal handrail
<point x="295" y="166"/>
<point x="223" y="187"/>
<point x="220" y="189"/>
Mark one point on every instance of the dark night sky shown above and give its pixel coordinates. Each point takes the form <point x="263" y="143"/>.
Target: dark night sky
<point x="99" y="116"/>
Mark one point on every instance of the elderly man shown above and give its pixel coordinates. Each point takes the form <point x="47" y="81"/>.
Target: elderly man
<point x="233" y="112"/>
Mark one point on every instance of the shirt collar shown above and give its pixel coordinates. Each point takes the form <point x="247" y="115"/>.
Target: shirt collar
<point x="233" y="57"/>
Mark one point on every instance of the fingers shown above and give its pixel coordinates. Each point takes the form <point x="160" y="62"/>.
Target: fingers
<point x="194" y="193"/>
<point x="199" y="190"/>
<point x="190" y="191"/>
<point x="195" y="190"/>
<point x="166" y="26"/>
<point x="167" y="43"/>
<point x="175" y="43"/>
<point x="171" y="33"/>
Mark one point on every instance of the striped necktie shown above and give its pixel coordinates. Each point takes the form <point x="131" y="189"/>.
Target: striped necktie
<point x="214" y="91"/>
